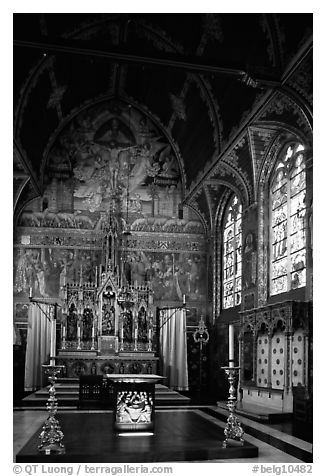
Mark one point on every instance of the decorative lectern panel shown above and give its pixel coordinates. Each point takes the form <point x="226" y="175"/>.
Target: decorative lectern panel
<point x="134" y="407"/>
<point x="134" y="402"/>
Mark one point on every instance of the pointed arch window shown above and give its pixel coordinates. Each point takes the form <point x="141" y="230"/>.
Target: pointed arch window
<point x="232" y="266"/>
<point x="288" y="215"/>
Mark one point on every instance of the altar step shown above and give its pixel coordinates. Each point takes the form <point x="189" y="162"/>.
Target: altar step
<point x="257" y="412"/>
<point x="67" y="393"/>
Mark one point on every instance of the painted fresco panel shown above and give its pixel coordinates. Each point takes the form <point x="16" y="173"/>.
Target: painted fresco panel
<point x="118" y="155"/>
<point x="45" y="270"/>
<point x="111" y="161"/>
<point x="171" y="275"/>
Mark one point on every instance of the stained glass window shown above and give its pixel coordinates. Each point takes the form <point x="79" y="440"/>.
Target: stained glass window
<point x="288" y="230"/>
<point x="232" y="238"/>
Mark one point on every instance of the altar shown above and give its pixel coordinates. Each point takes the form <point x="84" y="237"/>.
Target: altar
<point x="134" y="402"/>
<point x="108" y="325"/>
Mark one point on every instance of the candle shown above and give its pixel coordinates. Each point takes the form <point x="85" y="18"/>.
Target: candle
<point x="63" y="331"/>
<point x="231" y="345"/>
<point x="121" y="332"/>
<point x="136" y="333"/>
<point x="150" y="334"/>
<point x="184" y="299"/>
<point x="93" y="332"/>
<point x="30" y="292"/>
<point x="53" y="341"/>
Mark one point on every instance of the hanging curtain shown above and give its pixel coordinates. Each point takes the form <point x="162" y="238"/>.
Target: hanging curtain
<point x="37" y="346"/>
<point x="173" y="342"/>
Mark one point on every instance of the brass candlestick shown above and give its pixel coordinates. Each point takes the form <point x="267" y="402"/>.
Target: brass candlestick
<point x="51" y="435"/>
<point x="233" y="431"/>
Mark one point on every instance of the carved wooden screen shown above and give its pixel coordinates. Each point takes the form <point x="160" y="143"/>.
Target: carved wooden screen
<point x="288" y="229"/>
<point x="232" y="237"/>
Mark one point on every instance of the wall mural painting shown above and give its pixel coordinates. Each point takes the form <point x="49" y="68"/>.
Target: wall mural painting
<point x="45" y="270"/>
<point x="115" y="151"/>
<point x="20" y="323"/>
<point x="171" y="275"/>
<point x="111" y="158"/>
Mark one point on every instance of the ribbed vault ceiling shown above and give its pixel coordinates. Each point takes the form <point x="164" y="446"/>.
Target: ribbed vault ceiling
<point x="220" y="87"/>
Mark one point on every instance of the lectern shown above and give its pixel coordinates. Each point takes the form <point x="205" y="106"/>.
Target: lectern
<point x="134" y="402"/>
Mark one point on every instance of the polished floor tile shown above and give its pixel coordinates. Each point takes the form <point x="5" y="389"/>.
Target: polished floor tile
<point x="26" y="423"/>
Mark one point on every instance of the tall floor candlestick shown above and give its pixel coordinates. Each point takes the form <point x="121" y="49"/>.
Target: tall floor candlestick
<point x="51" y="435"/>
<point x="233" y="431"/>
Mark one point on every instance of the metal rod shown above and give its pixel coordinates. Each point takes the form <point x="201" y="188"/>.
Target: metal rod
<point x="166" y="60"/>
<point x="167" y="308"/>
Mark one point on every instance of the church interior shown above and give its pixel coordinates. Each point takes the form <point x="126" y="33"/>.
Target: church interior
<point x="162" y="245"/>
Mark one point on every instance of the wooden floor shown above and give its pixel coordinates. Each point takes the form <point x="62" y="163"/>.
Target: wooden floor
<point x="179" y="436"/>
